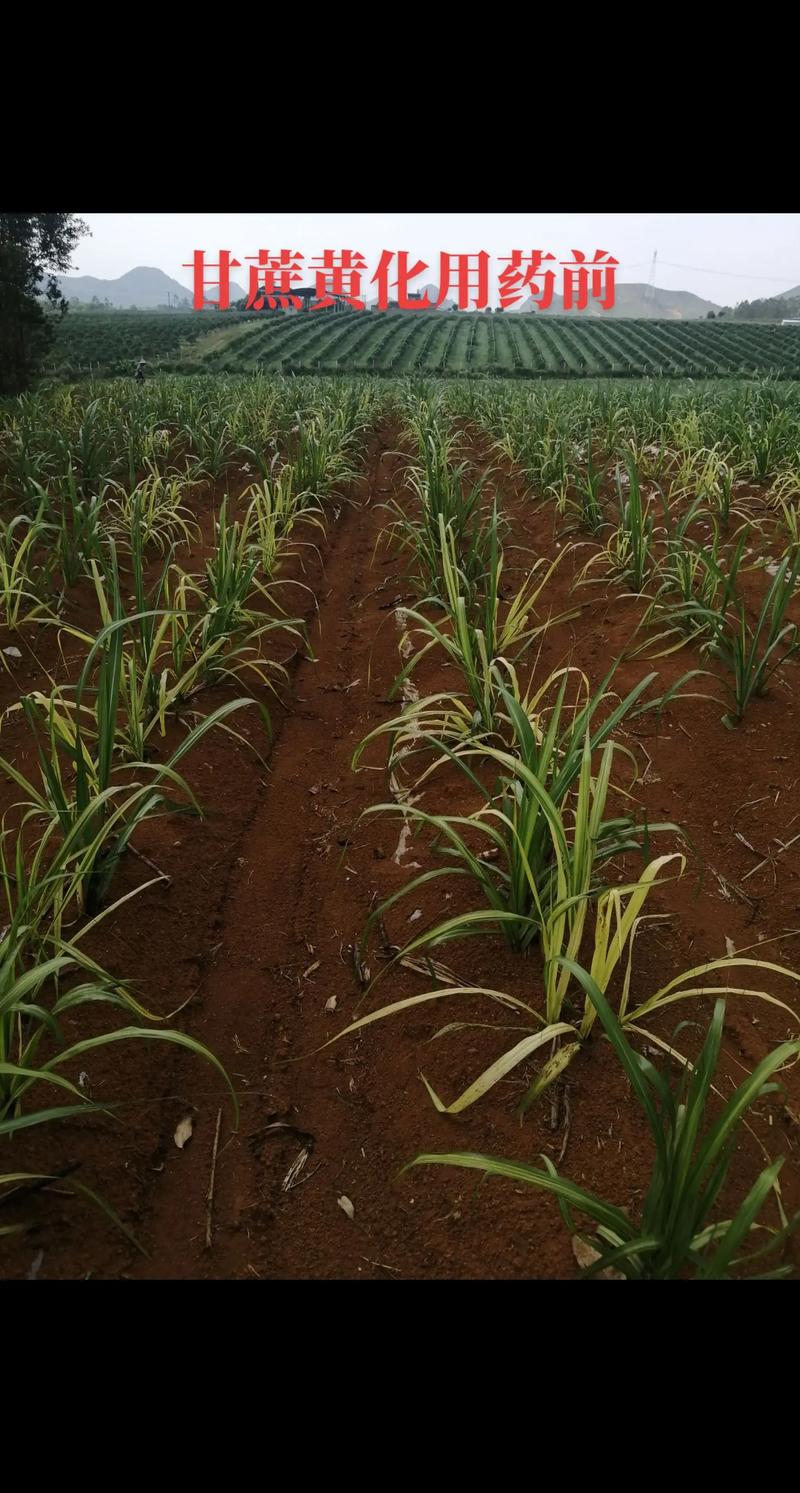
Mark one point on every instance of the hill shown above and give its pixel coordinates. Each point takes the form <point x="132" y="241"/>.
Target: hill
<point x="147" y="288"/>
<point x="143" y="287"/>
<point x="643" y="302"/>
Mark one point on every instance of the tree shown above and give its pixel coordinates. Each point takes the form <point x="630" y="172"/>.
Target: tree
<point x="774" y="308"/>
<point x="32" y="246"/>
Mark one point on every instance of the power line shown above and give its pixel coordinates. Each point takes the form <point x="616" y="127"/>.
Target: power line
<point x="642" y="264"/>
<point x="734" y="274"/>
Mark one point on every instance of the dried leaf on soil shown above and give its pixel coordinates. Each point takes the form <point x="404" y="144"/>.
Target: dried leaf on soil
<point x="184" y="1131"/>
<point x="586" y="1256"/>
<point x="36" y="1265"/>
<point x="295" y="1169"/>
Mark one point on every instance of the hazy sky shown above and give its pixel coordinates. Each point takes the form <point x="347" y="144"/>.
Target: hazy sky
<point x="724" y="257"/>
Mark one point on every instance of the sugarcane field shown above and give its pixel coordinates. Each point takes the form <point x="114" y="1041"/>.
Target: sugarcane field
<point x="400" y="799"/>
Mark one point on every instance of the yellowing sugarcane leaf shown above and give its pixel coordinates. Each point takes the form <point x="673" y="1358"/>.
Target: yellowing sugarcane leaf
<point x="550" y="1072"/>
<point x="498" y="1069"/>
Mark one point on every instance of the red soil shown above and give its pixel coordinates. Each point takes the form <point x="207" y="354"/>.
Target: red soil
<point x="254" y="936"/>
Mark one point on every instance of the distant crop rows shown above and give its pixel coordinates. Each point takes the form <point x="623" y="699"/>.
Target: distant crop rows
<point x="111" y="342"/>
<point x="525" y="346"/>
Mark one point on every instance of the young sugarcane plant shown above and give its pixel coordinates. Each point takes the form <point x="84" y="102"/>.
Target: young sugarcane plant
<point x="94" y="816"/>
<point x="637" y="525"/>
<point x="473" y="637"/>
<point x="320" y="457"/>
<point x="528" y="855"/>
<point x="26" y="471"/>
<point x="143" y="681"/>
<point x="531" y="863"/>
<point x="79" y="529"/>
<point x="695" y="592"/>
<point x="45" y="978"/>
<point x="683" y="570"/>
<point x="618" y="916"/>
<point x="202" y="654"/>
<point x="428" y="724"/>
<point x="714" y="481"/>
<point x="20" y="578"/>
<point x="588" y="485"/>
<point x="218" y="620"/>
<point x="786" y="487"/>
<point x="790" y="514"/>
<point x="274" y="508"/>
<point x="149" y="692"/>
<point x="726" y="478"/>
<point x="561" y="478"/>
<point x="767" y="442"/>
<point x="89" y="446"/>
<point x="676" y="1234"/>
<point x="153" y="514"/>
<point x="753" y="655"/>
<point x="629" y="553"/>
<point x="35" y="968"/>
<point x="424" y="535"/>
<point x="214" y="450"/>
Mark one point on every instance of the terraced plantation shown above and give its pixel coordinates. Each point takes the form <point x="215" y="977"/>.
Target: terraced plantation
<point x="399" y="821"/>
<point x="521" y="346"/>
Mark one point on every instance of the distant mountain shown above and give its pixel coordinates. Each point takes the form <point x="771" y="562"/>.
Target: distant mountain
<point x="143" y="287"/>
<point x="644" y="301"/>
<point x="147" y="288"/>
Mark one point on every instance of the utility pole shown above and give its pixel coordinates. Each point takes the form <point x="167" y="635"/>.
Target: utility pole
<point x="652" y="286"/>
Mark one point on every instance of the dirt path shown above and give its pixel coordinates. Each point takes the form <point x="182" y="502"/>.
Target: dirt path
<point x="283" y="951"/>
<point x="282" y="980"/>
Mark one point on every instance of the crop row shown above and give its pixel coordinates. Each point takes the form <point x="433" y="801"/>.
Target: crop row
<point x="98" y="486"/>
<point x="522" y="346"/>
<point x="109" y="343"/>
<point x="542" y="761"/>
